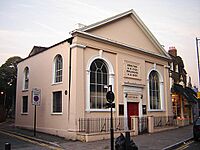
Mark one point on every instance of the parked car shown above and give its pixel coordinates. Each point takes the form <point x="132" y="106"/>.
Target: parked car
<point x="196" y="129"/>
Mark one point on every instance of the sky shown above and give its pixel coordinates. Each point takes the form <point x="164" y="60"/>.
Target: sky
<point x="25" y="23"/>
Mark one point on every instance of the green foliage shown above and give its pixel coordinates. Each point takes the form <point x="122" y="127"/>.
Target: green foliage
<point x="8" y="79"/>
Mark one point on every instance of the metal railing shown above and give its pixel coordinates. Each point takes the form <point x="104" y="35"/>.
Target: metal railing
<point x="142" y="125"/>
<point x="97" y="125"/>
<point x="164" y="121"/>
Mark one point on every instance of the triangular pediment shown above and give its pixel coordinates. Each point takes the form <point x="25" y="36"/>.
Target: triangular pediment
<point x="127" y="28"/>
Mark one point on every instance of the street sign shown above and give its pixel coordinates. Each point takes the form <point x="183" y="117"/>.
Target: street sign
<point x="36" y="97"/>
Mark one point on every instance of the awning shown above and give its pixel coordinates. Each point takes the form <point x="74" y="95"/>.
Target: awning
<point x="185" y="92"/>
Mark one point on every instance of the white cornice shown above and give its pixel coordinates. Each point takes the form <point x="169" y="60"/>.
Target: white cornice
<point x="133" y="48"/>
<point x="134" y="17"/>
<point x="77" y="45"/>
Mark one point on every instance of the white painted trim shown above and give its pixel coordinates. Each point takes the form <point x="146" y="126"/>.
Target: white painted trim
<point x="136" y="18"/>
<point x="24" y="113"/>
<point x="123" y="44"/>
<point x="23" y="85"/>
<point x="111" y="78"/>
<point x="162" y="94"/>
<point x="57" y="83"/>
<point x="140" y="108"/>
<point x="101" y="110"/>
<point x="53" y="71"/>
<point x="125" y="113"/>
<point x="106" y="20"/>
<point x="77" y="45"/>
<point x="56" y="113"/>
<point x="156" y="110"/>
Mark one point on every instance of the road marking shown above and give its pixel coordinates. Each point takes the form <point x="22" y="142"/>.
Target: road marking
<point x="185" y="145"/>
<point x="31" y="141"/>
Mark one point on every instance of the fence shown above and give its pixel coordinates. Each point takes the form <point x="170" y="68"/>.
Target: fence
<point x="142" y="125"/>
<point x="97" y="125"/>
<point x="163" y="121"/>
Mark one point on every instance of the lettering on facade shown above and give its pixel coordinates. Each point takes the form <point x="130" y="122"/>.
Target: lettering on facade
<point x="132" y="70"/>
<point x="132" y="96"/>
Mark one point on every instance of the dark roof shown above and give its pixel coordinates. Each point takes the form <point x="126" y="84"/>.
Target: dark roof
<point x="36" y="50"/>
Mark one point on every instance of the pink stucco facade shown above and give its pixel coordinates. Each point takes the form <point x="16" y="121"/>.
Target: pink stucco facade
<point x="125" y="44"/>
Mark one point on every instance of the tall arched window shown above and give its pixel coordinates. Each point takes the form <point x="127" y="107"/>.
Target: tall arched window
<point x="26" y="78"/>
<point x="99" y="77"/>
<point x="58" y="67"/>
<point x="154" y="90"/>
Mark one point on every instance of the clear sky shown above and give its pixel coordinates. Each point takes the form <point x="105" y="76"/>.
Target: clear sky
<point x="25" y="23"/>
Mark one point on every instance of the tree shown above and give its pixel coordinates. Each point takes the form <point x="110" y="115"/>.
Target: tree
<point x="8" y="80"/>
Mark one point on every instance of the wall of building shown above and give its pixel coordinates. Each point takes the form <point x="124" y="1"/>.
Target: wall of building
<point x="41" y="77"/>
<point x="118" y="58"/>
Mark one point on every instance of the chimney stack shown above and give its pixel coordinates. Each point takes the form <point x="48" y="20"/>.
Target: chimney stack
<point x="172" y="51"/>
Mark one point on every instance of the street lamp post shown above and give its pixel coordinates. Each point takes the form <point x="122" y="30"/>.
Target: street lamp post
<point x="4" y="97"/>
<point x="197" y="45"/>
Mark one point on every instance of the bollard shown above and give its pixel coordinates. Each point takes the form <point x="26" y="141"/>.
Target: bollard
<point x="7" y="146"/>
<point x="127" y="136"/>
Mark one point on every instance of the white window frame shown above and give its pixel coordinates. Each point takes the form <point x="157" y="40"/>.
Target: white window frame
<point x="22" y="104"/>
<point x="110" y="80"/>
<point x="54" y="69"/>
<point x="57" y="113"/>
<point x="161" y="86"/>
<point x="26" y="78"/>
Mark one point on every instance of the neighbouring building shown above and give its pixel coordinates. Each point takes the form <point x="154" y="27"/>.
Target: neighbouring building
<point x="73" y="77"/>
<point x="184" y="99"/>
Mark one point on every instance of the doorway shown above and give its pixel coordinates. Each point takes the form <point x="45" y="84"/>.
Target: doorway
<point x="132" y="111"/>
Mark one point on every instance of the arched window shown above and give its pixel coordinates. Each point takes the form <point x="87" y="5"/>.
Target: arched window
<point x="58" y="67"/>
<point x="154" y="90"/>
<point x="26" y="78"/>
<point x="99" y="77"/>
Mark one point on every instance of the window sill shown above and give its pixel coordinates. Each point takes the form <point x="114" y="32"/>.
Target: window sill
<point x="54" y="113"/>
<point x="24" y="113"/>
<point x="56" y="83"/>
<point x="100" y="110"/>
<point x="25" y="90"/>
<point x="156" y="110"/>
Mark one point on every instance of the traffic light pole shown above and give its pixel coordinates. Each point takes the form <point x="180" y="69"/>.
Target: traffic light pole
<point x="111" y="130"/>
<point x="110" y="98"/>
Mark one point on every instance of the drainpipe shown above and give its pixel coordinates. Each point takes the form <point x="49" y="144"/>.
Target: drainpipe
<point x="70" y="68"/>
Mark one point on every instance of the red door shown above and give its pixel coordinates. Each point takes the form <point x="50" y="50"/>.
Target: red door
<point x="132" y="111"/>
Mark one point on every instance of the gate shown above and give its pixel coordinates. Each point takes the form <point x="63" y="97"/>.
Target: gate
<point x="142" y="125"/>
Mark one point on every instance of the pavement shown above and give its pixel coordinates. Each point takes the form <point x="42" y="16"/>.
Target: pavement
<point x="162" y="140"/>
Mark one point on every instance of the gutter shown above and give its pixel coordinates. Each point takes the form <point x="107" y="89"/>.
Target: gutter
<point x="70" y="68"/>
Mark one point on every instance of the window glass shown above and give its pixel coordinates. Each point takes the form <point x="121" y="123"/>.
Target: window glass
<point x="26" y="78"/>
<point x="57" y="102"/>
<point x="154" y="90"/>
<point x="58" y="69"/>
<point x="98" y="82"/>
<point x="24" y="104"/>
